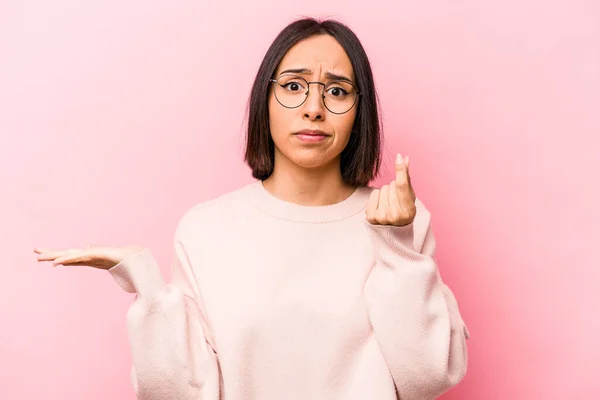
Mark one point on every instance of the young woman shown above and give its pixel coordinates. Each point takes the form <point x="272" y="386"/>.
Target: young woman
<point x="308" y="283"/>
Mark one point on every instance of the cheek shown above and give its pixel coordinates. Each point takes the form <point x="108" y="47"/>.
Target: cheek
<point x="344" y="124"/>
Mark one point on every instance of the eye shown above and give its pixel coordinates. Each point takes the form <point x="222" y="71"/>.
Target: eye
<point x="337" y="91"/>
<point x="293" y="86"/>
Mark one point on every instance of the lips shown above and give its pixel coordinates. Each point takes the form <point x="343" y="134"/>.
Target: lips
<point x="309" y="132"/>
<point x="310" y="137"/>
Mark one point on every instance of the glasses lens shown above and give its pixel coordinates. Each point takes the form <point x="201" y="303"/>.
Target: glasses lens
<point x="339" y="96"/>
<point x="291" y="90"/>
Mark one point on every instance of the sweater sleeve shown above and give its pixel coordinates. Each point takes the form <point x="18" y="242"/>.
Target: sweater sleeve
<point x="415" y="317"/>
<point x="173" y="357"/>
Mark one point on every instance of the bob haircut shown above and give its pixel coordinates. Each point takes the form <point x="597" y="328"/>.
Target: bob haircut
<point x="361" y="158"/>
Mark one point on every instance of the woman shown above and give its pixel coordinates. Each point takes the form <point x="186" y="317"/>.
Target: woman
<point x="306" y="284"/>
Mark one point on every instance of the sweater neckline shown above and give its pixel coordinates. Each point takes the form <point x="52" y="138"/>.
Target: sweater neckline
<point x="279" y="208"/>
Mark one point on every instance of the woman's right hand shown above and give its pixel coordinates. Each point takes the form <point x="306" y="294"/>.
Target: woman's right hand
<point x="92" y="256"/>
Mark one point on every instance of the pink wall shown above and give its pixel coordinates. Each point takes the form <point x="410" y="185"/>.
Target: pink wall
<point x="115" y="117"/>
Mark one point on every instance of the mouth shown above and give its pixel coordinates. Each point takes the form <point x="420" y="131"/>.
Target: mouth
<point x="308" y="136"/>
<point x="312" y="133"/>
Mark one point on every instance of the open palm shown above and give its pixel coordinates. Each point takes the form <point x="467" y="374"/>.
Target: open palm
<point x="92" y="256"/>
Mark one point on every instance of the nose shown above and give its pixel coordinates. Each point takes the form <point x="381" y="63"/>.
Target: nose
<point x="314" y="109"/>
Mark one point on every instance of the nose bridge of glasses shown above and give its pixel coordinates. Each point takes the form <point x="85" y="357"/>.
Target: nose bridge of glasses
<point x="320" y="96"/>
<point x="318" y="83"/>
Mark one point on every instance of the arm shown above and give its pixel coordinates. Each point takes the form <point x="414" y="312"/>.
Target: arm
<point x="415" y="317"/>
<point x="172" y="356"/>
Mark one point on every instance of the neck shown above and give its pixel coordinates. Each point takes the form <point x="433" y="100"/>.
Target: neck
<point x="308" y="186"/>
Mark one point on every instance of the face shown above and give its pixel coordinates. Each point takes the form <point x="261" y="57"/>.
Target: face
<point x="314" y="59"/>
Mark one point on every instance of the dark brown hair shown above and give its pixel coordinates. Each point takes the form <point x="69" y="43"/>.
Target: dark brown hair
<point x="361" y="159"/>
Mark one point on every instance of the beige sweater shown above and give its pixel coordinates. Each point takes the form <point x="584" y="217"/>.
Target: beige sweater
<point x="271" y="300"/>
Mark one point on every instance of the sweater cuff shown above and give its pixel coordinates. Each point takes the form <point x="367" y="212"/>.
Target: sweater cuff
<point x="400" y="238"/>
<point x="139" y="273"/>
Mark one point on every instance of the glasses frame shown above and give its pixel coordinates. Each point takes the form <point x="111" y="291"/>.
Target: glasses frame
<point x="358" y="94"/>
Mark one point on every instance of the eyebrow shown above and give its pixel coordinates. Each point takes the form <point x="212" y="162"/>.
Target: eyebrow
<point x="306" y="71"/>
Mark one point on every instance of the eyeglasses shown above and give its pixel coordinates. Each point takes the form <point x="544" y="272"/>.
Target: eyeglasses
<point x="291" y="91"/>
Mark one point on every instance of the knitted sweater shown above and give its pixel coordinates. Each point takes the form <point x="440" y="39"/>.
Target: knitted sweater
<point x="271" y="300"/>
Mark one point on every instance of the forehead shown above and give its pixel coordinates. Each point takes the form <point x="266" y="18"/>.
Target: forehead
<point x="320" y="54"/>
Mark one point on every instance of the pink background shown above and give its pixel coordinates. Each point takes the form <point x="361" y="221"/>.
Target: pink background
<point x="117" y="116"/>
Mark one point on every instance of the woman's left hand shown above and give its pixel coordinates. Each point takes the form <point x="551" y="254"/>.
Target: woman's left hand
<point x="394" y="204"/>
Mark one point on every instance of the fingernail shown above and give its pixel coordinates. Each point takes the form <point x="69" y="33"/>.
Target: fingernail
<point x="398" y="158"/>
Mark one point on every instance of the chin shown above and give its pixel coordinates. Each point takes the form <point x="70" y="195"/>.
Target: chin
<point x="311" y="161"/>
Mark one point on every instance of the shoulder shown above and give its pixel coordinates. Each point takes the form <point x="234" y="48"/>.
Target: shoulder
<point x="212" y="213"/>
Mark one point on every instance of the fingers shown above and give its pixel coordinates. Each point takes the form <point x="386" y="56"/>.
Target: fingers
<point x="393" y="198"/>
<point x="412" y="191"/>
<point x="59" y="256"/>
<point x="406" y="194"/>
<point x="50" y="255"/>
<point x="401" y="171"/>
<point x="384" y="203"/>
<point x="39" y="250"/>
<point x="372" y="206"/>
<point x="72" y="259"/>
<point x="378" y="206"/>
<point x="394" y="204"/>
